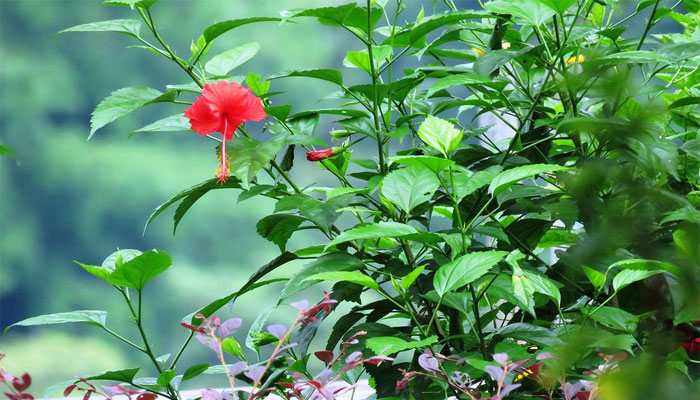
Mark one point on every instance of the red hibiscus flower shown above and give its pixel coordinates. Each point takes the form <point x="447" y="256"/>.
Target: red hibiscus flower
<point x="222" y="108"/>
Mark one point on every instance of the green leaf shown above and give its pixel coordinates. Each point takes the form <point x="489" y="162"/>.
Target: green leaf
<point x="530" y="334"/>
<point x="194" y="371"/>
<point x="131" y="3"/>
<point x="279" y="112"/>
<point x="329" y="75"/>
<point x="118" y="258"/>
<point x="613" y="317"/>
<point x="214" y="31"/>
<point x="165" y="377"/>
<point x="596" y="278"/>
<point x="468" y="184"/>
<point x="360" y="59"/>
<point x="685" y="101"/>
<point x="544" y="285"/>
<point x="278" y="228"/>
<point x="559" y="6"/>
<point x="89" y="317"/>
<point x="629" y="276"/>
<point x="129" y="27"/>
<point x="190" y="196"/>
<point x="616" y="342"/>
<point x="492" y="60"/>
<point x="465" y="270"/>
<point x="136" y="272"/>
<point x="173" y="123"/>
<point x="248" y="156"/>
<point x="645" y="265"/>
<point x="121" y="103"/>
<point x="347" y="15"/>
<point x="373" y="231"/>
<point x="328" y="262"/>
<point x="387" y="345"/>
<point x="410" y="186"/>
<point x="687" y="214"/>
<point x="439" y="134"/>
<point x="324" y="214"/>
<point x="426" y="25"/>
<point x="522" y="289"/>
<point x="346" y="276"/>
<point x="535" y="12"/>
<point x="223" y="63"/>
<point x="122" y="375"/>
<point x="257" y="86"/>
<point x="557" y="237"/>
<point x="6" y="151"/>
<point x="345" y="112"/>
<point x="635" y="57"/>
<point x="257" y="327"/>
<point x="411" y="277"/>
<point x="464" y="79"/>
<point x="512" y="176"/>
<point x="231" y="346"/>
<point x="435" y="164"/>
<point x="99" y="272"/>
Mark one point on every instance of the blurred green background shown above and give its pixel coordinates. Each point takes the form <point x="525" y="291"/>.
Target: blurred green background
<point x="65" y="198"/>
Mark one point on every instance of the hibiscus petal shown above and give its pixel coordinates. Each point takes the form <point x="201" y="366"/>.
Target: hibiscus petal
<point x="233" y="104"/>
<point x="203" y="119"/>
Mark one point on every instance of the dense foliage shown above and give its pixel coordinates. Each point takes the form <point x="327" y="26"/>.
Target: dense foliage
<point x="555" y="254"/>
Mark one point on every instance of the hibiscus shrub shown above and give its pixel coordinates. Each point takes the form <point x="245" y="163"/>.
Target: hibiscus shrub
<point x="551" y="254"/>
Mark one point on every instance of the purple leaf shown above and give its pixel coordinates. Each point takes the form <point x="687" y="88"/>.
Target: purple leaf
<point x="237" y="368"/>
<point x="209" y="342"/>
<point x="495" y="372"/>
<point x="229" y="327"/>
<point x="545" y="355"/>
<point x="110" y="390"/>
<point x="279" y="331"/>
<point x="283" y="349"/>
<point x="377" y="359"/>
<point x="353" y="357"/>
<point x="588" y="385"/>
<point x="572" y="389"/>
<point x="67" y="391"/>
<point x="429" y="363"/>
<point x="516" y="365"/>
<point x="324" y="376"/>
<point x="501" y="358"/>
<point x="6" y="376"/>
<point x="509" y="388"/>
<point x="255" y="373"/>
<point x="325" y="356"/>
<point x="301" y="305"/>
<point x="209" y="394"/>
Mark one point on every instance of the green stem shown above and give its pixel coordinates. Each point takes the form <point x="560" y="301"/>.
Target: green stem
<point x="182" y="350"/>
<point x="148" y="19"/>
<point x="477" y="319"/>
<point x="123" y="339"/>
<point x="373" y="72"/>
<point x="137" y="314"/>
<point x="650" y="23"/>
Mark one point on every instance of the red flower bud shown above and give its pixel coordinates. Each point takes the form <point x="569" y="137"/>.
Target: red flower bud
<point x="319" y="155"/>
